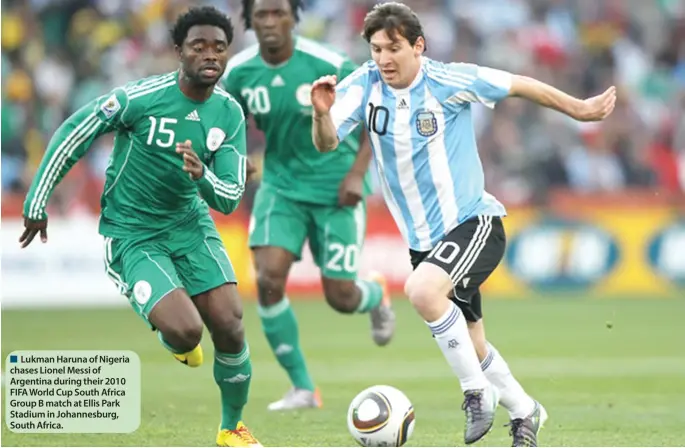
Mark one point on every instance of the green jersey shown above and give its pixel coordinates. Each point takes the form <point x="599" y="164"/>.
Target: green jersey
<point x="278" y="99"/>
<point x="146" y="190"/>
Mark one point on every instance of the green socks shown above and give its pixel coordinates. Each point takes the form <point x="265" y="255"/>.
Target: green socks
<point x="280" y="327"/>
<point x="372" y="294"/>
<point x="232" y="374"/>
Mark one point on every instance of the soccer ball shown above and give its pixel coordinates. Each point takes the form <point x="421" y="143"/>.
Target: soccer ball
<point x="381" y="416"/>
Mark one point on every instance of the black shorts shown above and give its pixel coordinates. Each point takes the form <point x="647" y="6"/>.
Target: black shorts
<point x="468" y="254"/>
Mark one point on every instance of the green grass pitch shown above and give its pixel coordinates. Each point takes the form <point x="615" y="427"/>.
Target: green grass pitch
<point x="602" y="386"/>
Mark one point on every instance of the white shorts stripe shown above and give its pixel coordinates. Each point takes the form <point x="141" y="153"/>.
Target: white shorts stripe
<point x="469" y="247"/>
<point x="121" y="285"/>
<point x="218" y="263"/>
<point x="474" y="249"/>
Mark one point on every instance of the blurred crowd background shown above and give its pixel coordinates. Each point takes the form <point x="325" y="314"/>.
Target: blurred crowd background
<point x="59" y="54"/>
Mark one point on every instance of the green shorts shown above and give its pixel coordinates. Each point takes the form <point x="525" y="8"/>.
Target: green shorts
<point x="192" y="257"/>
<point x="335" y="234"/>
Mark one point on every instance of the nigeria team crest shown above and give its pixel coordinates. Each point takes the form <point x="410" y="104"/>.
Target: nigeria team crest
<point x="215" y="138"/>
<point x="426" y="123"/>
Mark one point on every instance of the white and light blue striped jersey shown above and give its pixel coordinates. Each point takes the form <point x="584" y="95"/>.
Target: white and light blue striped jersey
<point x="424" y="143"/>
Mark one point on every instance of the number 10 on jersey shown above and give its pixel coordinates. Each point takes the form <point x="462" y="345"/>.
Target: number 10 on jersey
<point x="378" y="119"/>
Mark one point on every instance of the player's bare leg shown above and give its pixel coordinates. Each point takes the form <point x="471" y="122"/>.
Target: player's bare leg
<point x="526" y="414"/>
<point x="347" y="296"/>
<point x="427" y="288"/>
<point x="222" y="312"/>
<point x="279" y="323"/>
<point x="179" y="327"/>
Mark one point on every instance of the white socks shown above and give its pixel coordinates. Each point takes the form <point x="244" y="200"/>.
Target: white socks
<point x="452" y="336"/>
<point x="512" y="396"/>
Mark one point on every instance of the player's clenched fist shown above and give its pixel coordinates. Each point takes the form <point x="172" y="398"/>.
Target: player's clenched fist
<point x="191" y="162"/>
<point x="323" y="94"/>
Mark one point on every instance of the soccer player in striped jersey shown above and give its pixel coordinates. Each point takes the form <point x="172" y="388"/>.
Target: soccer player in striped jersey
<point x="179" y="149"/>
<point x="418" y="114"/>
<point x="304" y="195"/>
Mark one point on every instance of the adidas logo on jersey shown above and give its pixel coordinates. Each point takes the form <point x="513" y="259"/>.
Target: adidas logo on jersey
<point x="193" y="116"/>
<point x="277" y="81"/>
<point x="402" y="104"/>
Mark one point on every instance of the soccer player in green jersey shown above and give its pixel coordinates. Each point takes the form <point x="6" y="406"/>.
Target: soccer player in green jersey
<point x="304" y="195"/>
<point x="179" y="149"/>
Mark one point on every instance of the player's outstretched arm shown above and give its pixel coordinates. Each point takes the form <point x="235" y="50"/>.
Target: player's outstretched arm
<point x="223" y="185"/>
<point x="324" y="134"/>
<point x="69" y="143"/>
<point x="478" y="84"/>
<point x="592" y="109"/>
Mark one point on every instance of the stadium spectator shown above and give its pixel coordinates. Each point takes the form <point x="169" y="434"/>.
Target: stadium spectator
<point x="57" y="53"/>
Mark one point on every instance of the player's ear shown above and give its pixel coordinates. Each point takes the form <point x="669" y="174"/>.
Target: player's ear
<point x="179" y="51"/>
<point x="419" y="46"/>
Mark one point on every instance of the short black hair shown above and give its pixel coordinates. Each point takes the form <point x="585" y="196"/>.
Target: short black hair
<point x="203" y="15"/>
<point x="295" y="6"/>
<point x="394" y="18"/>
